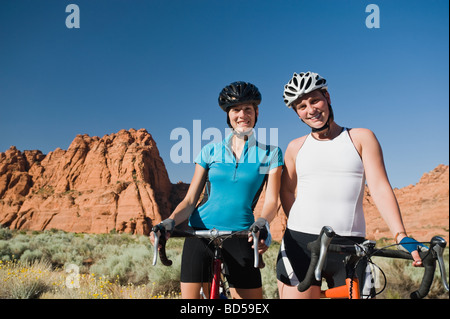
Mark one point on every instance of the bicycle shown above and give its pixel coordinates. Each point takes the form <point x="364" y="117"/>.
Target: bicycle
<point x="357" y="252"/>
<point x="219" y="288"/>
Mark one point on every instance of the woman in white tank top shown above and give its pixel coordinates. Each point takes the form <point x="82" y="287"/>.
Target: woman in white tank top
<point x="324" y="178"/>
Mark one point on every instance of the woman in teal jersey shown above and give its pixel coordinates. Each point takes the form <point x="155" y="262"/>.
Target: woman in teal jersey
<point x="234" y="172"/>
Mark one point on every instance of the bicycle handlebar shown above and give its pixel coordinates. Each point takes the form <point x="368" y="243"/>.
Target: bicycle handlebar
<point x="160" y="239"/>
<point x="322" y="245"/>
<point x="318" y="249"/>
<point x="255" y="236"/>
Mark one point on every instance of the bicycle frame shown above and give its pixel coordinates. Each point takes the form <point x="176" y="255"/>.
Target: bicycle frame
<point x="216" y="282"/>
<point x="348" y="291"/>
<point x="351" y="288"/>
<point x="217" y="237"/>
<point x="217" y="274"/>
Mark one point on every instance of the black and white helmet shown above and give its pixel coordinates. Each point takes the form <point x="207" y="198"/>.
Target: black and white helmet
<point x="302" y="84"/>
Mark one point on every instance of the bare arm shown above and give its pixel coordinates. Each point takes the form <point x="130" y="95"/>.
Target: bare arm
<point x="289" y="175"/>
<point x="188" y="204"/>
<point x="378" y="182"/>
<point x="270" y="206"/>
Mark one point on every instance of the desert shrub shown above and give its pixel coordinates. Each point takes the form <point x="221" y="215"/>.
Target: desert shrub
<point x="24" y="280"/>
<point x="29" y="256"/>
<point x="5" y="251"/>
<point x="120" y="266"/>
<point x="5" y="233"/>
<point x="128" y="265"/>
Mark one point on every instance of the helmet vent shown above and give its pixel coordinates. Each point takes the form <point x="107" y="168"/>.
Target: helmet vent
<point x="301" y="84"/>
<point x="308" y="84"/>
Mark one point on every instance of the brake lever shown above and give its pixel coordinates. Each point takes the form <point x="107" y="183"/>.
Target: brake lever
<point x="157" y="234"/>
<point x="325" y="240"/>
<point x="255" y="236"/>
<point x="438" y="245"/>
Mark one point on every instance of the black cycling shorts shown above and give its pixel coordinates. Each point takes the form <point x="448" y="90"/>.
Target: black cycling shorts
<point x="237" y="253"/>
<point x="294" y="258"/>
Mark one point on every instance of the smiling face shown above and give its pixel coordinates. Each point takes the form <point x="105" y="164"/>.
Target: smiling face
<point x="313" y="108"/>
<point x="242" y="117"/>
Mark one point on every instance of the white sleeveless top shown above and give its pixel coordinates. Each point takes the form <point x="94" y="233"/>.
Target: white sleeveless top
<point x="330" y="187"/>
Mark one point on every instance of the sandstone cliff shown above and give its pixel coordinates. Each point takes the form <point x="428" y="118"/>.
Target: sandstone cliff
<point x="424" y="207"/>
<point x="119" y="182"/>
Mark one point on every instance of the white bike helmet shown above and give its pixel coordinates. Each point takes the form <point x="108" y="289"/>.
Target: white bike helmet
<point x="302" y="84"/>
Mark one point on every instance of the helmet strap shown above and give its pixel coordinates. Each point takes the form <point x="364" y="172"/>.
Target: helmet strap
<point x="323" y="128"/>
<point x="327" y="124"/>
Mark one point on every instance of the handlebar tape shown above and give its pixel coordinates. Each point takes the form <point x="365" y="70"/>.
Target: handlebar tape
<point x="429" y="263"/>
<point x="162" y="241"/>
<point x="314" y="247"/>
<point x="430" y="266"/>
<point x="162" y="253"/>
<point x="261" y="263"/>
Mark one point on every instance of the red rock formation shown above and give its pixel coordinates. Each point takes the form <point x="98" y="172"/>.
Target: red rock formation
<point x="118" y="182"/>
<point x="424" y="207"/>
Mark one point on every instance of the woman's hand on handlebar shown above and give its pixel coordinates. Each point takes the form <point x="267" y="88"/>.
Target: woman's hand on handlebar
<point x="168" y="225"/>
<point x="262" y="227"/>
<point x="262" y="247"/>
<point x="152" y="238"/>
<point x="413" y="246"/>
<point x="417" y="260"/>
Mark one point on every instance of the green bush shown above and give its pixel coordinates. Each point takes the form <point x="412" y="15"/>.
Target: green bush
<point x="5" y="233"/>
<point x="126" y="261"/>
<point x="129" y="265"/>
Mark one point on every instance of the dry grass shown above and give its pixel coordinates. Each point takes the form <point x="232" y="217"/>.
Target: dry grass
<point x="403" y="278"/>
<point x="39" y="280"/>
<point x="37" y="265"/>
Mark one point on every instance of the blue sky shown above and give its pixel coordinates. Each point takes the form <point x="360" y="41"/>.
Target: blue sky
<point x="160" y="65"/>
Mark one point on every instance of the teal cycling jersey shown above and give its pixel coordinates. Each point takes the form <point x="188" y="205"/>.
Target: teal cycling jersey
<point x="233" y="187"/>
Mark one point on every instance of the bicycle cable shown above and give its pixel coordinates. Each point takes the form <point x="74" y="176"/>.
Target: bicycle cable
<point x="369" y="261"/>
<point x="212" y="241"/>
<point x="371" y="264"/>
